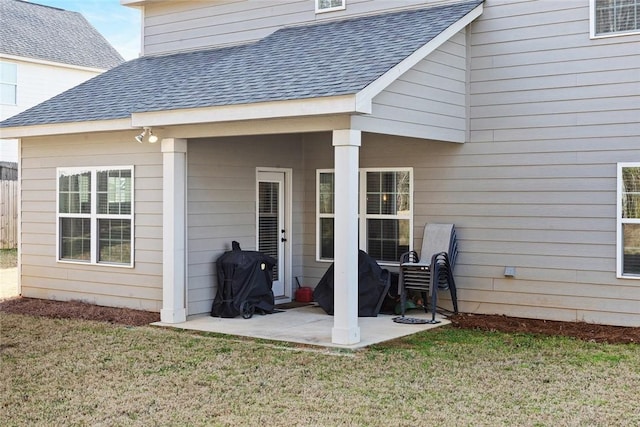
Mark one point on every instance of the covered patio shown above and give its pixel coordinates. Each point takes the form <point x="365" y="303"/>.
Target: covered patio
<point x="308" y="325"/>
<point x="404" y="75"/>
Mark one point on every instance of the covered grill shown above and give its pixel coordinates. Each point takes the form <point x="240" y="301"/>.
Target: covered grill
<point x="245" y="280"/>
<point x="373" y="286"/>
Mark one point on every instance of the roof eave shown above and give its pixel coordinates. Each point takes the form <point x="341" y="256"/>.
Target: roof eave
<point x="365" y="96"/>
<point x="51" y="63"/>
<point x="331" y="105"/>
<point x="325" y="106"/>
<point x="65" y="128"/>
<point x="132" y="3"/>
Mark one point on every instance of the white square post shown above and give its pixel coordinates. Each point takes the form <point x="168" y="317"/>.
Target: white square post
<point x="174" y="153"/>
<point x="345" y="294"/>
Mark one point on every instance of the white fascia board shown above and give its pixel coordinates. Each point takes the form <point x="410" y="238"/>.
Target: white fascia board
<point x="258" y="127"/>
<point x="344" y="104"/>
<point x="132" y="3"/>
<point x="65" y="128"/>
<point x="51" y="63"/>
<point x="366" y="95"/>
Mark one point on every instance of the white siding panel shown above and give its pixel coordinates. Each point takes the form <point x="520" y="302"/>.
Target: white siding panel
<point x="222" y="202"/>
<point x="545" y="206"/>
<point x="180" y="26"/>
<point x="42" y="276"/>
<point x="39" y="82"/>
<point x="428" y="101"/>
<point x="535" y="188"/>
<point x="108" y="300"/>
<point x="556" y="107"/>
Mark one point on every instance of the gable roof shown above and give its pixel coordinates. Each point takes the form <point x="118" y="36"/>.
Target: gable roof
<point x="305" y="62"/>
<point x="47" y="33"/>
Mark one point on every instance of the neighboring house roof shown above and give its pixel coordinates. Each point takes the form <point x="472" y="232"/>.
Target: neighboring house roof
<point x="47" y="33"/>
<point x="312" y="61"/>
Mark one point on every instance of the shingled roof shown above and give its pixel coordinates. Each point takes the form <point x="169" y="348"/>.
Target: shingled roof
<point x="42" y="32"/>
<point x="319" y="60"/>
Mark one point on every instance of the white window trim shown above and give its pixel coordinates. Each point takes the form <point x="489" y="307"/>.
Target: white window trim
<point x="14" y="84"/>
<point x="362" y="207"/>
<point x="330" y="9"/>
<point x="620" y="221"/>
<point x="592" y="25"/>
<point x="94" y="216"/>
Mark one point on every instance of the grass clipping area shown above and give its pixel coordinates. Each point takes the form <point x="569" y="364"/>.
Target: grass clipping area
<point x="80" y="372"/>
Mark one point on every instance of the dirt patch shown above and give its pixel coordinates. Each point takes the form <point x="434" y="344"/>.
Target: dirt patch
<point x="78" y="310"/>
<point x="581" y="330"/>
<point x="485" y="322"/>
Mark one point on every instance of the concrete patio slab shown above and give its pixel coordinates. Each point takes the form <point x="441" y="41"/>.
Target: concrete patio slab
<point x="308" y="325"/>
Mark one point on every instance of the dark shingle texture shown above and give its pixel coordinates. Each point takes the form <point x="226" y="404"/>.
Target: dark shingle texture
<point x="51" y="34"/>
<point x="329" y="59"/>
<point x="116" y="93"/>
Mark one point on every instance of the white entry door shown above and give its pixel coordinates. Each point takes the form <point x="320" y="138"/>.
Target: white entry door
<point x="273" y="226"/>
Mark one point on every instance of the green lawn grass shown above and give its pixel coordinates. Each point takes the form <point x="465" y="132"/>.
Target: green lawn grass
<point x="72" y="372"/>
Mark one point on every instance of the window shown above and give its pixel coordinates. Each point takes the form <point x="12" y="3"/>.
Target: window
<point x="330" y="5"/>
<point x="628" y="249"/>
<point x="325" y="206"/>
<point x="8" y="83"/>
<point x="385" y="219"/>
<point x="613" y="17"/>
<point x="95" y="215"/>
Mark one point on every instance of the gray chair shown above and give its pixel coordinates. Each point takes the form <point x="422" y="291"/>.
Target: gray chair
<point x="435" y="271"/>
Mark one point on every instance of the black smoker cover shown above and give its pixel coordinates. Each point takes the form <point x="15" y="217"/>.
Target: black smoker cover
<point x="373" y="285"/>
<point x="243" y="277"/>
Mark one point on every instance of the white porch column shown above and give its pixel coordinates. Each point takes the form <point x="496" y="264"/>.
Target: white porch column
<point x="345" y="294"/>
<point x="173" y="230"/>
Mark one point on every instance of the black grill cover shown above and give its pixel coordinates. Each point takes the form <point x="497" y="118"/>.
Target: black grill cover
<point x="373" y="285"/>
<point x="244" y="277"/>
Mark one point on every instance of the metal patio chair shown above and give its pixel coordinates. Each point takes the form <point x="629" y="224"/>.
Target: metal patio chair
<point x="435" y="271"/>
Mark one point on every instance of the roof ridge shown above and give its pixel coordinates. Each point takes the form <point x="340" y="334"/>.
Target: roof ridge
<point x="44" y="5"/>
<point x="32" y="30"/>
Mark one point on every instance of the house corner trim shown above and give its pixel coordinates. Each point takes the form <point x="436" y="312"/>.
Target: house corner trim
<point x="174" y="152"/>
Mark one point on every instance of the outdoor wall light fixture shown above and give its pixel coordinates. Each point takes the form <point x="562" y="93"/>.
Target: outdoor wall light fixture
<point x="151" y="138"/>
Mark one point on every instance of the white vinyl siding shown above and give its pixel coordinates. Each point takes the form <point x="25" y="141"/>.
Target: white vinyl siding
<point x="628" y="251"/>
<point x="614" y="17"/>
<point x="222" y="204"/>
<point x="428" y="101"/>
<point x="184" y="26"/>
<point x="552" y="113"/>
<point x="36" y="82"/>
<point x="41" y="274"/>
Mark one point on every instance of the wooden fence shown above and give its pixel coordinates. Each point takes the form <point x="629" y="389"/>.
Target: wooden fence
<point x="8" y="214"/>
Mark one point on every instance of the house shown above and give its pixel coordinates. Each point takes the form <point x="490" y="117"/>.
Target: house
<point x="43" y="52"/>
<point x="309" y="129"/>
